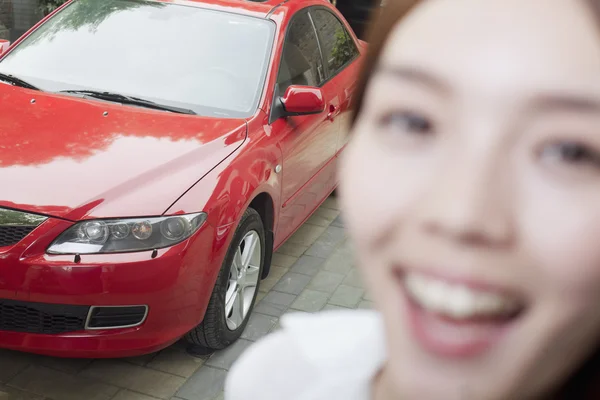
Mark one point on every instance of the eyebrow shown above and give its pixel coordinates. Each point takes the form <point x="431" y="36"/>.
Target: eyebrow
<point x="562" y="102"/>
<point x="544" y="102"/>
<point x="416" y="75"/>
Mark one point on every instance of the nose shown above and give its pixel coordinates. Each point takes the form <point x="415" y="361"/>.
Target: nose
<point x="470" y="203"/>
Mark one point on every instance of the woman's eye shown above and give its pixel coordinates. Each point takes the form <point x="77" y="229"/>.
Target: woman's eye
<point x="572" y="153"/>
<point x="410" y="122"/>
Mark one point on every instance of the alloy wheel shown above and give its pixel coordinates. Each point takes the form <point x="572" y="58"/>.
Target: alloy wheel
<point x="243" y="280"/>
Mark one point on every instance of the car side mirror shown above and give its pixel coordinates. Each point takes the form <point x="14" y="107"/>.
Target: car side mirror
<point x="4" y="45"/>
<point x="302" y="100"/>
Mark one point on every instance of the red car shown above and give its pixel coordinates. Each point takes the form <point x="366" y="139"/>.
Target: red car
<point x="153" y="155"/>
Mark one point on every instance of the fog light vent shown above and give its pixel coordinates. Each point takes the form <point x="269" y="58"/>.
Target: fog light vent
<point x="116" y="317"/>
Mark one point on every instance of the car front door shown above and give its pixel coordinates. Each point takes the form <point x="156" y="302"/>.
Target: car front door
<point x="341" y="56"/>
<point x="308" y="143"/>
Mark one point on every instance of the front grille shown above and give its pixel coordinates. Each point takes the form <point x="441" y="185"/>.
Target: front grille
<point x="15" y="225"/>
<point x="11" y="235"/>
<point x="116" y="317"/>
<point x="41" y="318"/>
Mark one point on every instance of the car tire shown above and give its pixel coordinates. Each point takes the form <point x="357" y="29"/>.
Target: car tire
<point x="217" y="331"/>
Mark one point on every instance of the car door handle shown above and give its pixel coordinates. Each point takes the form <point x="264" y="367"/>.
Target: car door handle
<point x="333" y="112"/>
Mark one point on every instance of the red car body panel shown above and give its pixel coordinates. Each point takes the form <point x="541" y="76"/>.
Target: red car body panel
<point x="170" y="284"/>
<point x="111" y="161"/>
<point x="160" y="164"/>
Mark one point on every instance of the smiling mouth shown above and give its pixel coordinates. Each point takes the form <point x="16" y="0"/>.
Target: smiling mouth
<point x="460" y="302"/>
<point x="457" y="319"/>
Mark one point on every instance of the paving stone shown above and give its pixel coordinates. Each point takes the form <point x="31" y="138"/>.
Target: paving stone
<point x="283" y="260"/>
<point x="59" y="385"/>
<point x="141" y="360"/>
<point x="181" y="345"/>
<point x="292" y="283"/>
<point x="332" y="307"/>
<point x="335" y="234"/>
<point x="347" y="296"/>
<point x="274" y="310"/>
<point x="341" y="261"/>
<point x="306" y="234"/>
<point x="310" y="301"/>
<point x="259" y="296"/>
<point x="307" y="265"/>
<point x="138" y="379"/>
<point x="347" y="246"/>
<point x="221" y="396"/>
<point x="326" y="244"/>
<point x="338" y="222"/>
<point x="258" y="326"/>
<point x="129" y="395"/>
<point x="294" y="312"/>
<point x="284" y="299"/>
<point x="366" y="305"/>
<point x="368" y="296"/>
<point x="275" y="275"/>
<point x="292" y="249"/>
<point x="69" y="365"/>
<point x="225" y="358"/>
<point x="277" y="327"/>
<point x="326" y="281"/>
<point x="176" y="361"/>
<point x="353" y="279"/>
<point x="332" y="203"/>
<point x="327" y="213"/>
<point x="319" y="221"/>
<point x="206" y="384"/>
<point x="11" y="363"/>
<point x="8" y="393"/>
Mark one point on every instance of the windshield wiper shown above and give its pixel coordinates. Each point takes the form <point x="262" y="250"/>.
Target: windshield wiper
<point x="123" y="99"/>
<point x="17" y="81"/>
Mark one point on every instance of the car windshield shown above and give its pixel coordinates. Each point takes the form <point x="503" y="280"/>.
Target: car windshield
<point x="211" y="62"/>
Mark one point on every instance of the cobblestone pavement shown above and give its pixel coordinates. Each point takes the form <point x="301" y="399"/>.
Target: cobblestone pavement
<point x="312" y="271"/>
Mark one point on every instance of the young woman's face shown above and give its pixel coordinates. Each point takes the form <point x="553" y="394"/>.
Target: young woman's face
<point x="472" y="191"/>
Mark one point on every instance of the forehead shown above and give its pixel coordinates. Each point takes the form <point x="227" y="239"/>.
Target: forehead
<point x="506" y="43"/>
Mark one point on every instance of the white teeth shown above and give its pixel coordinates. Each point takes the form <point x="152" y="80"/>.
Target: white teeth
<point x="457" y="301"/>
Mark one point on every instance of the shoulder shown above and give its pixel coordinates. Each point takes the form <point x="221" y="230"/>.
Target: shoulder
<point x="262" y="371"/>
<point x="309" y="348"/>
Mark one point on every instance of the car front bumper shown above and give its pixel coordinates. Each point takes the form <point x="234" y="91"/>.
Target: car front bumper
<point x="175" y="286"/>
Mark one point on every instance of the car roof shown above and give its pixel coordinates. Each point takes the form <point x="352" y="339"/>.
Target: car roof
<point x="256" y="8"/>
<point x="248" y="7"/>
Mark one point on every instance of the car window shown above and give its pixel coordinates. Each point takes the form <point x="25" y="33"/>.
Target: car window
<point x="169" y="53"/>
<point x="301" y="62"/>
<point x="338" y="46"/>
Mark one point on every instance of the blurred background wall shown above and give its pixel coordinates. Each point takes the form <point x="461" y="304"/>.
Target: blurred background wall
<point x="17" y="16"/>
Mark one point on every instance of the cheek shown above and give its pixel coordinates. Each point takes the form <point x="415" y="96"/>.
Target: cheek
<point x="379" y="187"/>
<point x="360" y="190"/>
<point x="561" y="230"/>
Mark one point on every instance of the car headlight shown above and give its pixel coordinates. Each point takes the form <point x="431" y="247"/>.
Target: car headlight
<point x="126" y="235"/>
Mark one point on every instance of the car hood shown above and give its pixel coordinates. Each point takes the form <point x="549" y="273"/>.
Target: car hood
<point x="73" y="158"/>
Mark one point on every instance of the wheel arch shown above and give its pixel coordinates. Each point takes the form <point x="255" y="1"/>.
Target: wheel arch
<point x="264" y="205"/>
<point x="242" y="181"/>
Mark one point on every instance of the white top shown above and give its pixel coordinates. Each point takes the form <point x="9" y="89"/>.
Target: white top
<point x="332" y="355"/>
